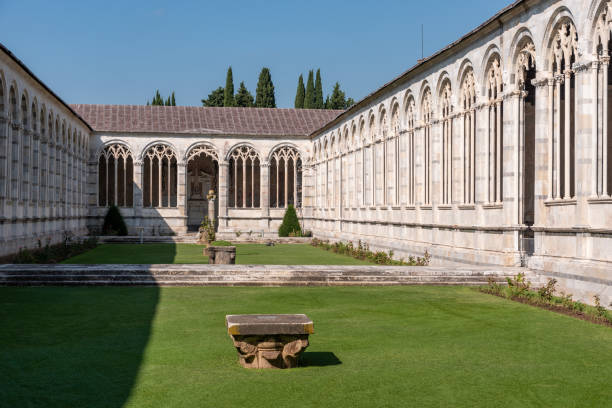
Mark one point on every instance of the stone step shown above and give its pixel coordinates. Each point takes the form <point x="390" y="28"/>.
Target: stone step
<point x="236" y="283"/>
<point x="254" y="277"/>
<point x="248" y="275"/>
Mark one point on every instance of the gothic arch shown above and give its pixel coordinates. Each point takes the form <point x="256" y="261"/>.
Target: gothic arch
<point x="23" y="111"/>
<point x="560" y="16"/>
<point x="285" y="144"/>
<point x="34" y="114"/>
<point x="198" y="148"/>
<point x="443" y="80"/>
<point x="465" y="66"/>
<point x="160" y="158"/>
<point x="491" y="52"/>
<point x="523" y="55"/>
<point x="115" y="174"/>
<point x="244" y="170"/>
<point x="143" y="152"/>
<point x="2" y="92"/>
<point x="285" y="176"/>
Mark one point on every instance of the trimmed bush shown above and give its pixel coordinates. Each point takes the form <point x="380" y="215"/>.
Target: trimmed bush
<point x="291" y="224"/>
<point x="113" y="222"/>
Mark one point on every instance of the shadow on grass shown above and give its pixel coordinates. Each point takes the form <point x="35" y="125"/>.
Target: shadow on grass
<point x="77" y="346"/>
<point x="319" y="359"/>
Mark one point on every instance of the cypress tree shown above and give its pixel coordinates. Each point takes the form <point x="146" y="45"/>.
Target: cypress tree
<point x="167" y="103"/>
<point x="309" y="97"/>
<point x="215" y="98"/>
<point x="173" y="101"/>
<point x="264" y="96"/>
<point x="300" y="93"/>
<point x="243" y="97"/>
<point x="290" y="224"/>
<point x="228" y="95"/>
<point x="113" y="222"/>
<point x="318" y="92"/>
<point x="349" y="102"/>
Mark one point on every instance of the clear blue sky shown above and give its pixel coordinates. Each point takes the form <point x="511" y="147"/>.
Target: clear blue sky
<point x="119" y="52"/>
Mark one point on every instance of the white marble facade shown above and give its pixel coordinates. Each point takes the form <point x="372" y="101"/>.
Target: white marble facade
<point x="495" y="151"/>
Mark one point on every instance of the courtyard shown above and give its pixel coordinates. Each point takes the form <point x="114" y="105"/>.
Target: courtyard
<point x="372" y="347"/>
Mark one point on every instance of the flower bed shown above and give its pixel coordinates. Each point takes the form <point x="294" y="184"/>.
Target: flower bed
<point x="362" y="251"/>
<point x="519" y="289"/>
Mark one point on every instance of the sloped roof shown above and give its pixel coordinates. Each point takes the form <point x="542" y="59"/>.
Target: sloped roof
<point x="204" y="120"/>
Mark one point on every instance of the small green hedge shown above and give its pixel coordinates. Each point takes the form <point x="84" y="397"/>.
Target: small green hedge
<point x="221" y="243"/>
<point x="291" y="224"/>
<point x="114" y="223"/>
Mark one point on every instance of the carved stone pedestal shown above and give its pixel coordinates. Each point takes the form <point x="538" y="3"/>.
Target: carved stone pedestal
<point x="269" y="341"/>
<point x="223" y="255"/>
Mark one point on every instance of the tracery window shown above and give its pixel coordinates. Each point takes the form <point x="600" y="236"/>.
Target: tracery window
<point x="160" y="177"/>
<point x="14" y="145"/>
<point x="564" y="49"/>
<point x="35" y="154"/>
<point x="285" y="177"/>
<point x="379" y="162"/>
<point x="603" y="41"/>
<point x="447" y="144"/>
<point x="408" y="161"/>
<point x="115" y="176"/>
<point x="392" y="156"/>
<point x="43" y="158"/>
<point x="496" y="135"/>
<point x="359" y="168"/>
<point x="25" y="150"/>
<point x="427" y="117"/>
<point x="468" y="101"/>
<point x="244" y="178"/>
<point x="3" y="143"/>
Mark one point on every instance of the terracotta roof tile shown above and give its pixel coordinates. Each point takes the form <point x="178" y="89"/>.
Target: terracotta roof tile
<point x="204" y="120"/>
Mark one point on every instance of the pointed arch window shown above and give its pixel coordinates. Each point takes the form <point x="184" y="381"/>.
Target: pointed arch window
<point x="468" y="115"/>
<point x="160" y="177"/>
<point x="495" y="114"/>
<point x="563" y="54"/>
<point x="427" y="118"/>
<point x="285" y="177"/>
<point x="603" y="86"/>
<point x="244" y="170"/>
<point x="115" y="176"/>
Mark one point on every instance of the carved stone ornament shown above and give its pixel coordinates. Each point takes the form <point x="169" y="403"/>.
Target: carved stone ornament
<point x="269" y="341"/>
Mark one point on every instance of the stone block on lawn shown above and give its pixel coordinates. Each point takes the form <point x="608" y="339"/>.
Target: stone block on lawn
<point x="221" y="255"/>
<point x="269" y="340"/>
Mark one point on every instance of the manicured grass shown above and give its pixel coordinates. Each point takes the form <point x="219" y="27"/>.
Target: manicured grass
<point x="372" y="347"/>
<point x="281" y="254"/>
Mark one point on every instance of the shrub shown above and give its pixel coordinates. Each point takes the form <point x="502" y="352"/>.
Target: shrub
<point x="290" y="224"/>
<point x="207" y="229"/>
<point x="546" y="292"/>
<point x="113" y="222"/>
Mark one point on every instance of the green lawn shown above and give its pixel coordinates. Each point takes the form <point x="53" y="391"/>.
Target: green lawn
<point x="372" y="347"/>
<point x="280" y="254"/>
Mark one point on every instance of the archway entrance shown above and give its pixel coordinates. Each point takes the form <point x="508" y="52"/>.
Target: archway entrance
<point x="202" y="176"/>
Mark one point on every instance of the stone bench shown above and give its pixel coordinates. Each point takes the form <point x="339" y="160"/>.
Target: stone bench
<point x="269" y="341"/>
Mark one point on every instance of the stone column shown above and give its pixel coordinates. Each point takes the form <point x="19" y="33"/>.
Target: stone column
<point x="137" y="191"/>
<point x="181" y="193"/>
<point x="264" y="194"/>
<point x="222" y="193"/>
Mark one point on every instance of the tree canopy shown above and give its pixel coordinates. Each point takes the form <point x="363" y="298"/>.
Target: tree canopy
<point x="158" y="100"/>
<point x="243" y="97"/>
<point x="215" y="98"/>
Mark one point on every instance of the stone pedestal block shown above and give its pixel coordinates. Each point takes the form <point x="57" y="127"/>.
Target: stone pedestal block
<point x="269" y="341"/>
<point x="224" y="255"/>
